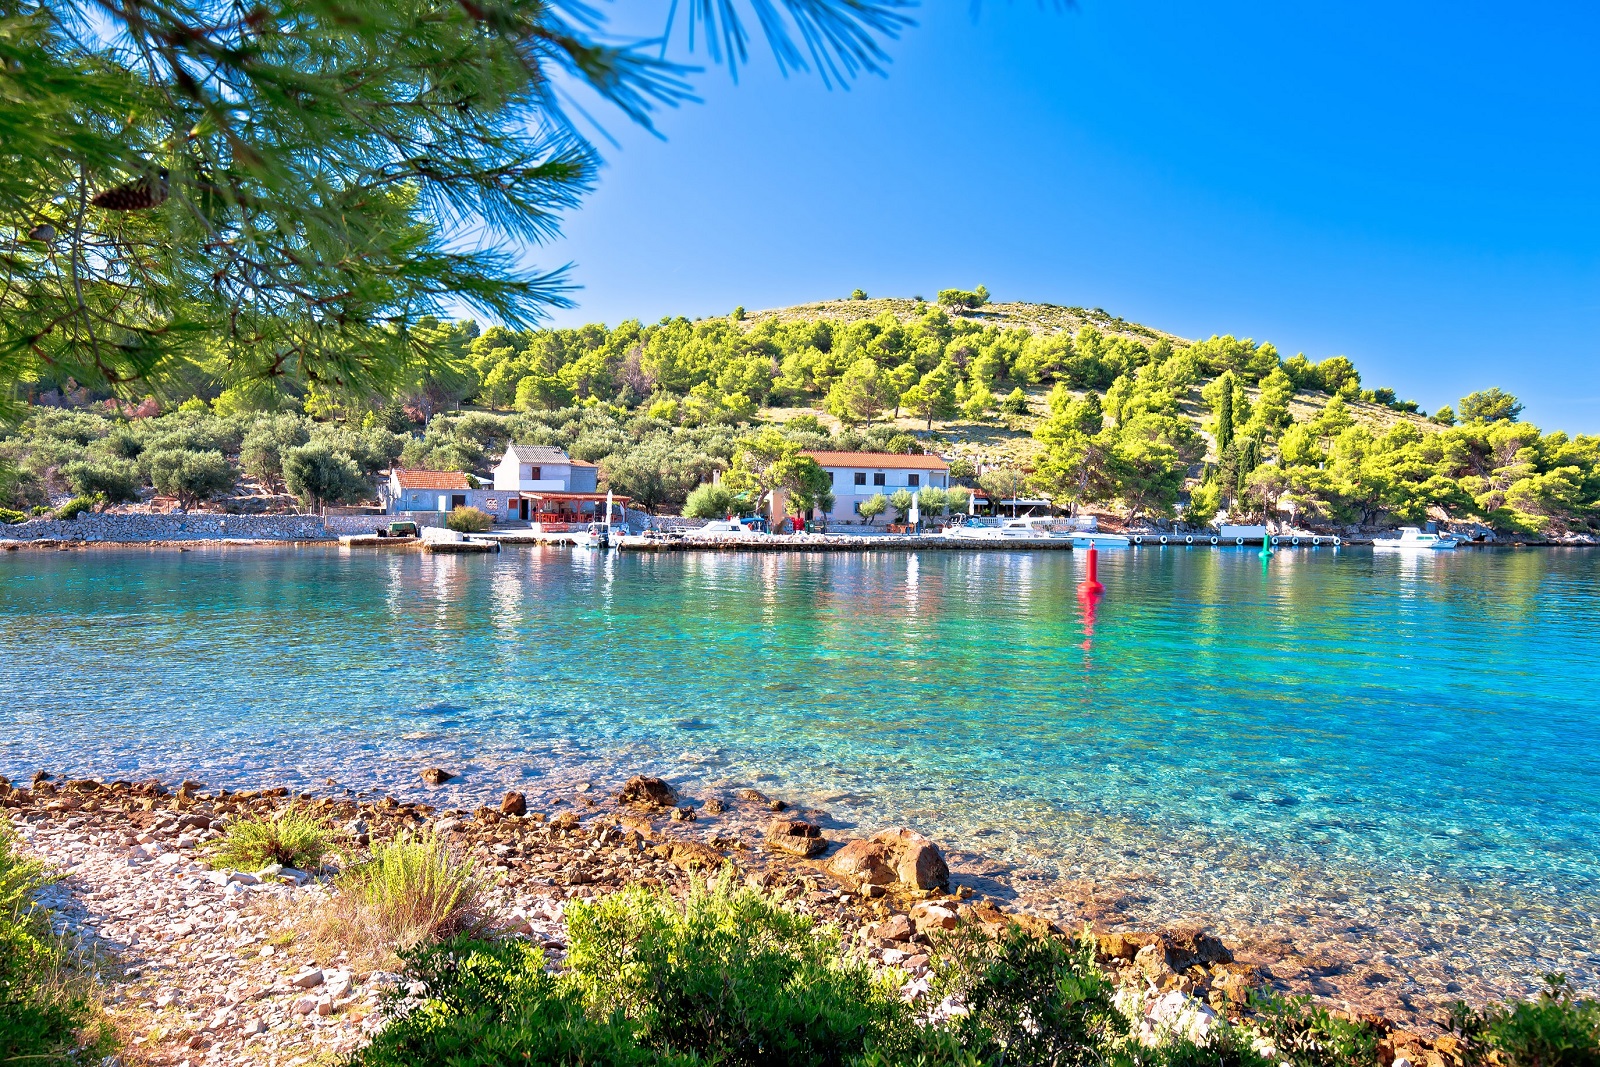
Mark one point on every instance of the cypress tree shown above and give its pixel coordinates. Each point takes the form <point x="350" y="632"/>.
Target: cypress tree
<point x="1225" y="414"/>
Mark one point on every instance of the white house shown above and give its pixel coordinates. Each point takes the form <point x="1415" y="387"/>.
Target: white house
<point x="549" y="485"/>
<point x="857" y="476"/>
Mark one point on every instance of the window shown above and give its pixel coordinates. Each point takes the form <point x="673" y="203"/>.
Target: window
<point x="877" y="479"/>
<point x="830" y="477"/>
<point x="535" y="473"/>
<point x="861" y="478"/>
<point x="858" y="504"/>
<point x="913" y="480"/>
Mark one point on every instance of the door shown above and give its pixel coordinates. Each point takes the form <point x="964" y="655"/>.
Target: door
<point x="457" y="502"/>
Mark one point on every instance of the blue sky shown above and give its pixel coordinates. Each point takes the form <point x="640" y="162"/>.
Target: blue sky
<point x="1409" y="185"/>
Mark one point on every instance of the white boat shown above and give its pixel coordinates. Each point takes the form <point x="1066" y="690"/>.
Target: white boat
<point x="1099" y="540"/>
<point x="721" y="528"/>
<point x="974" y="533"/>
<point x="1413" y="539"/>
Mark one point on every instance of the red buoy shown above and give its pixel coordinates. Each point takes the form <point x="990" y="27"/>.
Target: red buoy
<point x="1090" y="586"/>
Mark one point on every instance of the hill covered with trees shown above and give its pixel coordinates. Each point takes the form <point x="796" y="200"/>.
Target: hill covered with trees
<point x="1077" y="403"/>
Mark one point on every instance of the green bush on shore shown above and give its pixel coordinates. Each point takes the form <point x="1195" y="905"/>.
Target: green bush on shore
<point x="729" y="976"/>
<point x="468" y="520"/>
<point x="75" y="507"/>
<point x="47" y="1015"/>
<point x="11" y="517"/>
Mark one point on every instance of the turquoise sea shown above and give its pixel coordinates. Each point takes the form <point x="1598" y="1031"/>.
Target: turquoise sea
<point x="1374" y="747"/>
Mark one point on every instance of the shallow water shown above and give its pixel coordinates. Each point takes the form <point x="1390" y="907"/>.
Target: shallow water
<point x="1404" y="747"/>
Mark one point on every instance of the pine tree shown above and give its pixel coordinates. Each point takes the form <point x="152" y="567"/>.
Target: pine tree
<point x="290" y="186"/>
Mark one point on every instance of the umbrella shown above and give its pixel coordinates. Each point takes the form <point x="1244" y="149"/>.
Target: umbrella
<point x="916" y="508"/>
<point x="608" y="507"/>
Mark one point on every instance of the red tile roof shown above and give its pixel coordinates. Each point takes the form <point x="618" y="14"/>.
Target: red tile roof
<point x="431" y="479"/>
<point x="879" y="460"/>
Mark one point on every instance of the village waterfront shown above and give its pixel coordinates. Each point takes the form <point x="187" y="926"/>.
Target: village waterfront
<point x="1391" y="754"/>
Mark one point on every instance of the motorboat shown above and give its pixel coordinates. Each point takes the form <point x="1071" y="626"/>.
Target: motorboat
<point x="721" y="528"/>
<point x="596" y="535"/>
<point x="1094" y="539"/>
<point x="1412" y="539"/>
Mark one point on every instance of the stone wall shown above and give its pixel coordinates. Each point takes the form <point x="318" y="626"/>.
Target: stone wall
<point x="196" y="526"/>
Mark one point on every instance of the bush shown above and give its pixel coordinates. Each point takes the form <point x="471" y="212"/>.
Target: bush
<point x="712" y="501"/>
<point x="116" y="481"/>
<point x="410" y="893"/>
<point x="1556" y="1030"/>
<point x="468" y="520"/>
<point x="1029" y="999"/>
<point x="726" y="976"/>
<point x="1308" y="1036"/>
<point x="75" y="507"/>
<point x="188" y="474"/>
<point x="1015" y="403"/>
<point x="290" y="838"/>
<point x="46" y="1013"/>
<point x="11" y="518"/>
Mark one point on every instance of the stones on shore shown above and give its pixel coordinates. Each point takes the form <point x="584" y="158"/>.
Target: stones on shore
<point x="795" y="837"/>
<point x="898" y="855"/>
<point x="437" y="776"/>
<point x="714" y="806"/>
<point x="514" y="803"/>
<point x="643" y="790"/>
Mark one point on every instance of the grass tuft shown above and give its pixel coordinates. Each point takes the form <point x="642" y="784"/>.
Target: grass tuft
<point x="290" y="838"/>
<point x="411" y="893"/>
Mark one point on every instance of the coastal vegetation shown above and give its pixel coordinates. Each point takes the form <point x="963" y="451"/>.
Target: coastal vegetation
<point x="409" y="891"/>
<point x="730" y="975"/>
<point x="289" y="837"/>
<point x="47" y="1008"/>
<point x="1097" y="413"/>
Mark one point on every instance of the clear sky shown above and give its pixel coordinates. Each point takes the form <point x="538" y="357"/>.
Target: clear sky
<point x="1411" y="185"/>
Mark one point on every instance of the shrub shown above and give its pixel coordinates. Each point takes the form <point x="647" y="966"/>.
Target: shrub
<point x="75" y="507"/>
<point x="46" y="1013"/>
<point x="190" y="475"/>
<point x="468" y="520"/>
<point x="1308" y="1036"/>
<point x="1031" y="999"/>
<point x="410" y="893"/>
<point x="712" y="501"/>
<point x="290" y="838"/>
<point x="112" y="480"/>
<point x="726" y="976"/>
<point x="1555" y="1030"/>
<point x="1015" y="403"/>
<point x="11" y="518"/>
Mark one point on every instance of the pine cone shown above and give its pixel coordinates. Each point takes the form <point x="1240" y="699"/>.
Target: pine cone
<point x="140" y="194"/>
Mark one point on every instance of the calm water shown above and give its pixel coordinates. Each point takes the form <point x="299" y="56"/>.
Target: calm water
<point x="1402" y="748"/>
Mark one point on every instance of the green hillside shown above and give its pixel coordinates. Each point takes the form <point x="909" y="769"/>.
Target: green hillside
<point x="1093" y="410"/>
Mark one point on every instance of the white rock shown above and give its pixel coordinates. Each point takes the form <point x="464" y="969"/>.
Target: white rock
<point x="338" y="984"/>
<point x="253" y="1027"/>
<point x="309" y="978"/>
<point x="324" y="1005"/>
<point x="219" y="1020"/>
<point x="304" y="1006"/>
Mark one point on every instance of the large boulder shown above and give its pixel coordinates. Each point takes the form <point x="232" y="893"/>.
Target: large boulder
<point x="898" y="855"/>
<point x="918" y="862"/>
<point x="647" y="791"/>
<point x="863" y="863"/>
<point x="795" y="837"/>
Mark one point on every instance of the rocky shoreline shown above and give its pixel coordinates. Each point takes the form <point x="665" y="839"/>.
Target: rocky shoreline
<point x="206" y="966"/>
